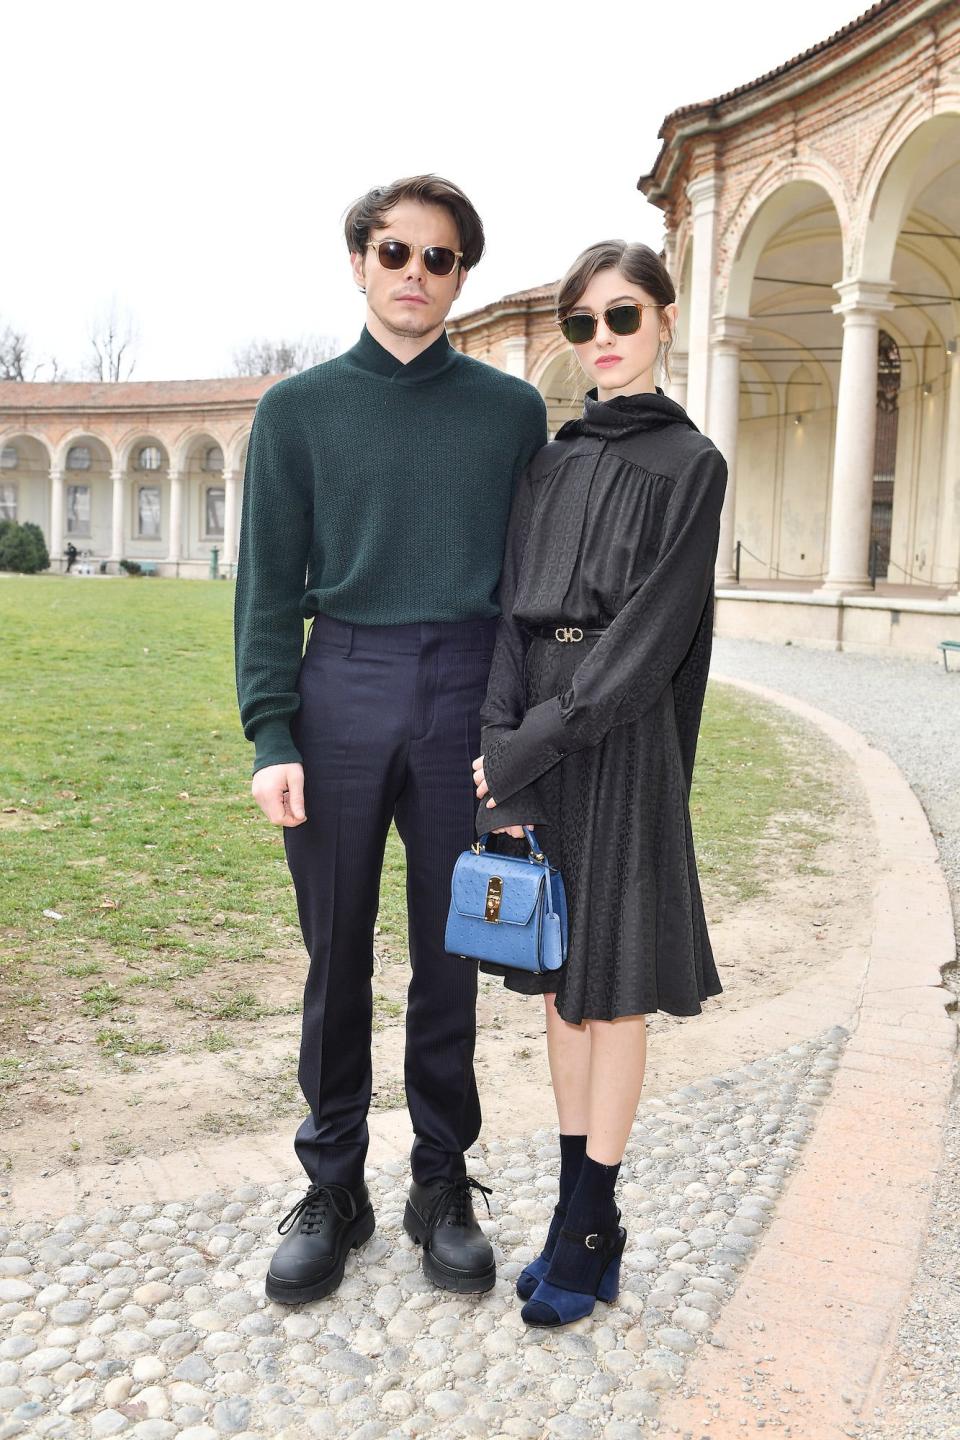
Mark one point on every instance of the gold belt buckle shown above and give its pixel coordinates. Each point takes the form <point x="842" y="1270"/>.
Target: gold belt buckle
<point x="567" y="633"/>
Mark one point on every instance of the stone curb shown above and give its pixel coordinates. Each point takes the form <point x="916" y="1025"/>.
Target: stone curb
<point x="803" y="1343"/>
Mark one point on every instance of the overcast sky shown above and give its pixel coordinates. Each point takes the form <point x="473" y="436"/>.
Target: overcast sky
<point x="193" y="161"/>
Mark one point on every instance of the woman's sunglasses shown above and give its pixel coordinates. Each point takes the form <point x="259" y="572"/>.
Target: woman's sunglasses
<point x="620" y="320"/>
<point x="395" y="254"/>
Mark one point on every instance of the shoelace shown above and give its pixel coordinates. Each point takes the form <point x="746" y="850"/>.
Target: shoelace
<point x="456" y="1198"/>
<point x="313" y="1208"/>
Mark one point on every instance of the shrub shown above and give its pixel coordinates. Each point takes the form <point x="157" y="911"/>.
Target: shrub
<point x="22" y="548"/>
<point x="41" y="544"/>
<point x="131" y="567"/>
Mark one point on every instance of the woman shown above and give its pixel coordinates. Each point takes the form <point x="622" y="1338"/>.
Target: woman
<point x="590" y="729"/>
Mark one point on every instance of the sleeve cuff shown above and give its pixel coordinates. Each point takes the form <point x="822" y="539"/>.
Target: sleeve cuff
<point x="274" y="745"/>
<point x="523" y="808"/>
<point x="515" y="758"/>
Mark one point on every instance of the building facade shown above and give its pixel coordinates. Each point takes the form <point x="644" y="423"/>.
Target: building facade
<point x="812" y="227"/>
<point x="813" y="222"/>
<point x="144" y="471"/>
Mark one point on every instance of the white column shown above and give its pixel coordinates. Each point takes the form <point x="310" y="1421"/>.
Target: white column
<point x="176" y="516"/>
<point x="677" y="386"/>
<point x="56" y="518"/>
<point x="116" y="516"/>
<point x="947" y="566"/>
<point x="729" y="335"/>
<point x="515" y="355"/>
<point x="230" y="494"/>
<point x="703" y="195"/>
<point x="861" y="304"/>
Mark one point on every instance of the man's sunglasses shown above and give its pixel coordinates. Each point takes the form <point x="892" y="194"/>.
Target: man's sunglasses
<point x="395" y="254"/>
<point x="621" y="319"/>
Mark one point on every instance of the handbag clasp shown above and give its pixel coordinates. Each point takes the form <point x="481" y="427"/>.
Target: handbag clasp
<point x="567" y="633"/>
<point x="494" y="896"/>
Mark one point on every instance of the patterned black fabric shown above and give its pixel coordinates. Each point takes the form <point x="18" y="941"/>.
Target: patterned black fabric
<point x="616" y="524"/>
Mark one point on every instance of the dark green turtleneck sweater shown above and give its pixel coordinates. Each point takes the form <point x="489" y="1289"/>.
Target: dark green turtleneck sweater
<point x="375" y="492"/>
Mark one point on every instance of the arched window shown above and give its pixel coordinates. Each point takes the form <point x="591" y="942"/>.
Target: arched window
<point x="9" y="457"/>
<point x="213" y="459"/>
<point x="79" y="457"/>
<point x="149" y="458"/>
<point x="885" y="455"/>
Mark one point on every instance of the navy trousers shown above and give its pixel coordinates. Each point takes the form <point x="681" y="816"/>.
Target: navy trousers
<point x="387" y="726"/>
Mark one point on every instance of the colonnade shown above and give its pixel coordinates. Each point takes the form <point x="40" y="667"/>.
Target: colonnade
<point x="707" y="382"/>
<point x="119" y="483"/>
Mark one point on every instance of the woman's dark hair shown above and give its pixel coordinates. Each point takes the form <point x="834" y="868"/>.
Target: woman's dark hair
<point x="636" y="263"/>
<point x="371" y="210"/>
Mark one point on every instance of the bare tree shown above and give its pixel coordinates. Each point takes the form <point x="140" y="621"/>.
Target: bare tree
<point x="14" y="354"/>
<point x="282" y="357"/>
<point x="112" y="340"/>
<point x="17" y="362"/>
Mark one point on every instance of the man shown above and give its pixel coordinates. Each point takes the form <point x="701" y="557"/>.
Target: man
<point x="376" y="499"/>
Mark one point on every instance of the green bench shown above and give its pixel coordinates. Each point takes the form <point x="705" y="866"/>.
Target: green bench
<point x="946" y="645"/>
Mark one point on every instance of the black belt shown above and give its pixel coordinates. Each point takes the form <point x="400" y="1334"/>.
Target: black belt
<point x="564" y="634"/>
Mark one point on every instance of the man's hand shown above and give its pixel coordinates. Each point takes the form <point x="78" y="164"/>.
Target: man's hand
<point x="479" y="779"/>
<point x="278" y="790"/>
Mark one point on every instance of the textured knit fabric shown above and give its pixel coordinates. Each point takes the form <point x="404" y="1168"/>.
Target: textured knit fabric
<point x="615" y="524"/>
<point x="572" y="1150"/>
<point x="376" y="493"/>
<point x="592" y="1205"/>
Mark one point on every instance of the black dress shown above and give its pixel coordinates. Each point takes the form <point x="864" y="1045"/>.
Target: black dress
<point x="615" y="525"/>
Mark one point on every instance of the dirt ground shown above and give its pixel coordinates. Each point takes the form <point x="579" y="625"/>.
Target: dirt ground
<point x="226" y="1073"/>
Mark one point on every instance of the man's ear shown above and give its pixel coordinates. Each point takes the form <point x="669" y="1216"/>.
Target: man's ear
<point x="461" y="281"/>
<point x="356" y="264"/>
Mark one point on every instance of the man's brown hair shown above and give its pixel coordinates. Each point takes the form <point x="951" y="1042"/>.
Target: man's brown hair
<point x="370" y="212"/>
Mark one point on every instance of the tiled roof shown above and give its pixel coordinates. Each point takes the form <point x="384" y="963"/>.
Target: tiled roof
<point x="22" y="395"/>
<point x="539" y="292"/>
<point x="539" y="295"/>
<point x="787" y="64"/>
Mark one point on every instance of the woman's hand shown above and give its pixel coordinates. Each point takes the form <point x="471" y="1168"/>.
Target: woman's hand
<point x="480" y="780"/>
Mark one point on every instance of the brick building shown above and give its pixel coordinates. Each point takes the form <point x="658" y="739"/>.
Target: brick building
<point x="149" y="471"/>
<point x="812" y="226"/>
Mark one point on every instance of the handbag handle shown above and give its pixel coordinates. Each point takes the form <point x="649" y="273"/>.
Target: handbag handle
<point x="479" y="846"/>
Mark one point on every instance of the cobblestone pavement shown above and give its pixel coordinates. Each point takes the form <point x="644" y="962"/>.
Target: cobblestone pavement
<point x="151" y="1320"/>
<point x="910" y="709"/>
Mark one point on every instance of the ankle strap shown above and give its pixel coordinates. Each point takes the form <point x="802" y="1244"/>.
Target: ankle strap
<point x="596" y="1239"/>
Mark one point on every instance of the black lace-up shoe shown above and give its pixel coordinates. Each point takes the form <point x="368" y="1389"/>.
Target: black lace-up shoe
<point x="320" y="1230"/>
<point x="456" y="1253"/>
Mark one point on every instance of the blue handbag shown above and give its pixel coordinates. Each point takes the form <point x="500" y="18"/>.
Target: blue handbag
<point x="508" y="909"/>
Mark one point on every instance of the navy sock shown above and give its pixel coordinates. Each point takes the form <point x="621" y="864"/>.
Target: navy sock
<point x="592" y="1206"/>
<point x="572" y="1150"/>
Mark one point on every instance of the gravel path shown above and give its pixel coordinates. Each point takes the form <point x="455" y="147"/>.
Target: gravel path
<point x="151" y="1321"/>
<point x="910" y="709"/>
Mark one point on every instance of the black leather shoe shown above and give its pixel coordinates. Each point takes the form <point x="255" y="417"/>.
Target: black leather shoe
<point x="320" y="1230"/>
<point x="456" y="1253"/>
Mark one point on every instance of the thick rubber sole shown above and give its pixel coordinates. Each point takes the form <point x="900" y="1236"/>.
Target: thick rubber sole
<point x="462" y="1282"/>
<point x="286" y="1294"/>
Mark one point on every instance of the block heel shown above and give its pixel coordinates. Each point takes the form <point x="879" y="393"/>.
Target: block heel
<point x="552" y="1305"/>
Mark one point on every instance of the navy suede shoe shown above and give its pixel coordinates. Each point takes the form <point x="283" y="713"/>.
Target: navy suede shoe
<point x="582" y="1270"/>
<point x="531" y="1275"/>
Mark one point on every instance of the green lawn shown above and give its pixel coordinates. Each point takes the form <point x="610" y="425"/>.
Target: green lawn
<point x="124" y="788"/>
